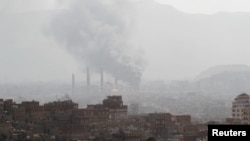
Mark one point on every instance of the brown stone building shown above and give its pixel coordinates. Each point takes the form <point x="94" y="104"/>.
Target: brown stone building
<point x="60" y="106"/>
<point x="246" y="115"/>
<point x="116" y="108"/>
<point x="162" y="124"/>
<point x="33" y="111"/>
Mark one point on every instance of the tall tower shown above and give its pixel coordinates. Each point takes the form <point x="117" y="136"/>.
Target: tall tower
<point x="116" y="82"/>
<point x="73" y="85"/>
<point x="101" y="79"/>
<point x="88" y="79"/>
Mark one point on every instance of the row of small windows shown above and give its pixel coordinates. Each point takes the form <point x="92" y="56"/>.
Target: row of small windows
<point x="236" y="115"/>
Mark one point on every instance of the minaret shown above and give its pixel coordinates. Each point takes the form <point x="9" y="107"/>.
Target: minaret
<point x="116" y="82"/>
<point x="88" y="79"/>
<point x="101" y="79"/>
<point x="73" y="85"/>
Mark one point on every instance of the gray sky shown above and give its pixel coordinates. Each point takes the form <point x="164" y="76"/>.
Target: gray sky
<point x="208" y="6"/>
<point x="28" y="54"/>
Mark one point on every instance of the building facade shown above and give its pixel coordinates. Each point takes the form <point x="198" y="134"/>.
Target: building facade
<point x="241" y="102"/>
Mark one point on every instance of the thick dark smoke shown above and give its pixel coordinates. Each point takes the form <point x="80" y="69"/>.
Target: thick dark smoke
<point x="97" y="33"/>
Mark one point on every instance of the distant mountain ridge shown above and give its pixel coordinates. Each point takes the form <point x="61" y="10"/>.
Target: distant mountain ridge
<point x="186" y="41"/>
<point x="223" y="69"/>
<point x="226" y="80"/>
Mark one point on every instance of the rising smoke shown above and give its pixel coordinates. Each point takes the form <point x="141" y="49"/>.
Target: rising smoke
<point x="97" y="32"/>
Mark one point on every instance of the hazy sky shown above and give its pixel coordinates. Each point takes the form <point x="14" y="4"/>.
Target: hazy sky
<point x="27" y="53"/>
<point x="209" y="6"/>
<point x="192" y="6"/>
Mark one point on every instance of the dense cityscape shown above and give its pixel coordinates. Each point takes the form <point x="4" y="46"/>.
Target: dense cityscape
<point x="111" y="120"/>
<point x="124" y="70"/>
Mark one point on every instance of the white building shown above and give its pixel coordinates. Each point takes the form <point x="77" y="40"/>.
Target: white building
<point x="240" y="103"/>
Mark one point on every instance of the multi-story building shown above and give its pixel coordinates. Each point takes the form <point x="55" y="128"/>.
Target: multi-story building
<point x="233" y="121"/>
<point x="241" y="102"/>
<point x="34" y="112"/>
<point x="183" y="119"/>
<point x="8" y="103"/>
<point x="116" y="108"/>
<point x="162" y="124"/>
<point x="63" y="120"/>
<point x="1" y="106"/>
<point x="60" y="106"/>
<point x="19" y="113"/>
<point x="165" y="126"/>
<point x="246" y="115"/>
<point x="126" y="136"/>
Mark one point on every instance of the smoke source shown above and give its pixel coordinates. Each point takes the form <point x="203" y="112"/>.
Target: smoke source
<point x="97" y="32"/>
